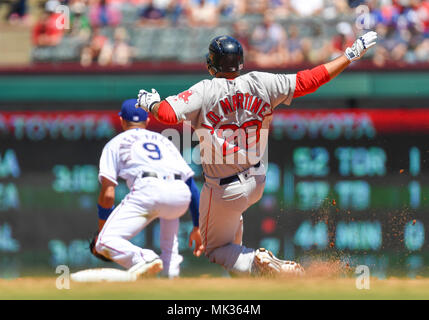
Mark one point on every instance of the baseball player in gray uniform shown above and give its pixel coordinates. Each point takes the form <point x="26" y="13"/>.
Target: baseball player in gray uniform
<point x="231" y="115"/>
<point x="161" y="186"/>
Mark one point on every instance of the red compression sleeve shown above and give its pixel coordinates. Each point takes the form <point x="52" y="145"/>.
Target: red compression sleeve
<point x="308" y="81"/>
<point x="166" y="113"/>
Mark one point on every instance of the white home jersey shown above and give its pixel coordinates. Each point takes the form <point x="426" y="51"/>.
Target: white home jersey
<point x="138" y="150"/>
<point x="232" y="117"/>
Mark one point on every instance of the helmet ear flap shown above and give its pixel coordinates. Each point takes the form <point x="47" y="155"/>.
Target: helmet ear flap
<point x="210" y="66"/>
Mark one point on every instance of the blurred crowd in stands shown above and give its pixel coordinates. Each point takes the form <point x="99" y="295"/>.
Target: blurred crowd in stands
<point x="273" y="32"/>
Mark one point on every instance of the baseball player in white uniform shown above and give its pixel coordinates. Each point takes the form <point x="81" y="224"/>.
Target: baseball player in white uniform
<point x="231" y="114"/>
<point x="161" y="186"/>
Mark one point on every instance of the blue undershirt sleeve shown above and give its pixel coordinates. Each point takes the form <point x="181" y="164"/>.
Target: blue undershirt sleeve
<point x="195" y="201"/>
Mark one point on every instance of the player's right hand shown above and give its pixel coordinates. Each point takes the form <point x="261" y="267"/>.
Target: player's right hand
<point x="195" y="236"/>
<point x="147" y="100"/>
<point x="361" y="46"/>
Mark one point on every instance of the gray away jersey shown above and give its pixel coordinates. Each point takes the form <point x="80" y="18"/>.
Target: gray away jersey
<point x="136" y="150"/>
<point x="232" y="118"/>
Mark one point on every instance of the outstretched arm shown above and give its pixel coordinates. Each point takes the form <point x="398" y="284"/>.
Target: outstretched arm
<point x="336" y="66"/>
<point x="161" y="110"/>
<point x="164" y="113"/>
<point x="355" y="52"/>
<point x="308" y="81"/>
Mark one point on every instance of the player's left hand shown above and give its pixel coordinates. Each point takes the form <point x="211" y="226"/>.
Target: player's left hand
<point x="147" y="100"/>
<point x="361" y="46"/>
<point x="195" y="236"/>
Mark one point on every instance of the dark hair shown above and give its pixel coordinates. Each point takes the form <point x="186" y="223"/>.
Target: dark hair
<point x="134" y="123"/>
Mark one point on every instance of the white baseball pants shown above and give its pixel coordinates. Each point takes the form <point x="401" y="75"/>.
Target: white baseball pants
<point x="169" y="243"/>
<point x="150" y="198"/>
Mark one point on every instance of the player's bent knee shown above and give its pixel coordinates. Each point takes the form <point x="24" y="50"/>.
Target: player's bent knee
<point x="99" y="251"/>
<point x="102" y="247"/>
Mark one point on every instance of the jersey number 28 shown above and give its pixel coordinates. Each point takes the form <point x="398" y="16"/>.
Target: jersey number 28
<point x="245" y="136"/>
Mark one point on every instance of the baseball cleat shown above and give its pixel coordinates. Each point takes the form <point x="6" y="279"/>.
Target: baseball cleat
<point x="146" y="268"/>
<point x="266" y="264"/>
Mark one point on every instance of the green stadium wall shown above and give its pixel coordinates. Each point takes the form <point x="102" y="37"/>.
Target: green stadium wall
<point x="116" y="87"/>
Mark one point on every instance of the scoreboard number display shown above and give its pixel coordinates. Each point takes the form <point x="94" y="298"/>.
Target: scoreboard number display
<point x="344" y="184"/>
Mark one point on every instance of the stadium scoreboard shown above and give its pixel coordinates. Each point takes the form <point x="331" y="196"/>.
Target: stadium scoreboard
<point x="350" y="183"/>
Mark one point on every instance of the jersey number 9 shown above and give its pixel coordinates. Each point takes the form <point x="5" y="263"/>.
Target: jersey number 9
<point x="155" y="152"/>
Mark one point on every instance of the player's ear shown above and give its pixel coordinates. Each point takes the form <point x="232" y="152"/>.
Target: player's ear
<point x="211" y="71"/>
<point x="123" y="123"/>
